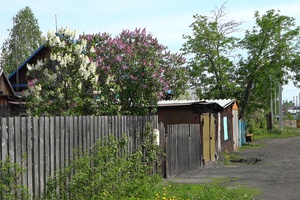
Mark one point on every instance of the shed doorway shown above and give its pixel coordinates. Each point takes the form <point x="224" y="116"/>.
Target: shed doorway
<point x="209" y="136"/>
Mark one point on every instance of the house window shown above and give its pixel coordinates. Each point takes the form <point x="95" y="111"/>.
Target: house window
<point x="225" y="128"/>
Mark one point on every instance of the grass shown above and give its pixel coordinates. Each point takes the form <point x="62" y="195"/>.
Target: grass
<point x="250" y="146"/>
<point x="219" y="189"/>
<point x="286" y="132"/>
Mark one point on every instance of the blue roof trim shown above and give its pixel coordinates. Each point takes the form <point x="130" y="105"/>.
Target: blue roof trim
<point x="20" y="85"/>
<point x="24" y="63"/>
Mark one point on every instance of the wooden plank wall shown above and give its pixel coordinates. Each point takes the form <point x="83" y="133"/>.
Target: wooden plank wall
<point x="183" y="148"/>
<point x="44" y="145"/>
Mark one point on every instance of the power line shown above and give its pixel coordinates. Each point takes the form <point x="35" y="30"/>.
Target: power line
<point x="6" y="24"/>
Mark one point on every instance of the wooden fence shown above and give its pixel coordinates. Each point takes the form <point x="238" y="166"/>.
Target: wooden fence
<point x="47" y="142"/>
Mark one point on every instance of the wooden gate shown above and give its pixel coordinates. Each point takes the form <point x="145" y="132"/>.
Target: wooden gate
<point x="183" y="149"/>
<point x="209" y="136"/>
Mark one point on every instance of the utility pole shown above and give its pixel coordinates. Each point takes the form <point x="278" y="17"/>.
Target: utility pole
<point x="280" y="107"/>
<point x="275" y="105"/>
<point x="56" y="22"/>
<point x="271" y="104"/>
<point x="296" y="105"/>
<point x="16" y="55"/>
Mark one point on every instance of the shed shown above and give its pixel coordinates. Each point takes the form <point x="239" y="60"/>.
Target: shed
<point x="227" y="125"/>
<point x="205" y="127"/>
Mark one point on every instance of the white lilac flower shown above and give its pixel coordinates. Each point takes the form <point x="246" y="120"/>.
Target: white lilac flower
<point x="79" y="86"/>
<point x="92" y="68"/>
<point x="58" y="58"/>
<point x="39" y="64"/>
<point x="54" y="76"/>
<point x="78" y="49"/>
<point x="52" y="56"/>
<point x="50" y="34"/>
<point x="29" y="67"/>
<point x="60" y="96"/>
<point x="38" y="88"/>
<point x="92" y="49"/>
<point x="56" y="40"/>
<point x="96" y="79"/>
<point x="62" y="44"/>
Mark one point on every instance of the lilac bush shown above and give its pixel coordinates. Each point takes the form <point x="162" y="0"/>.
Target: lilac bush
<point x="100" y="74"/>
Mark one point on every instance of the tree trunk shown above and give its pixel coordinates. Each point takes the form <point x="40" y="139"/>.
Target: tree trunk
<point x="246" y="98"/>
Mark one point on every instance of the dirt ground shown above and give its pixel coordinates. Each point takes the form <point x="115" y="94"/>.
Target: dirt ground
<point x="277" y="173"/>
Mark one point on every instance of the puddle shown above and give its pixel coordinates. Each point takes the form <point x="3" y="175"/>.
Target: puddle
<point x="246" y="160"/>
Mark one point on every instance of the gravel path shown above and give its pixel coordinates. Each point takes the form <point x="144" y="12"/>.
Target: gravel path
<point x="277" y="173"/>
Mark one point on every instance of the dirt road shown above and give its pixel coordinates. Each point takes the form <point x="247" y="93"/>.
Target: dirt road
<point x="277" y="173"/>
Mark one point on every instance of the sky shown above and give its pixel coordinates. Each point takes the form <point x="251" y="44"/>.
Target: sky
<point x="166" y="20"/>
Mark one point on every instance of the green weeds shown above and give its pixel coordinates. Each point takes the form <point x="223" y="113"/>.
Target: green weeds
<point x="10" y="187"/>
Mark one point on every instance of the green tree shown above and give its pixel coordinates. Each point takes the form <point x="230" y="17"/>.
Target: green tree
<point x="24" y="38"/>
<point x="211" y="47"/>
<point x="64" y="83"/>
<point x="271" y="52"/>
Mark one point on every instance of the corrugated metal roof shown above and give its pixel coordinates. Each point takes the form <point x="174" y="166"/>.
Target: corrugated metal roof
<point x="224" y="103"/>
<point x="177" y="103"/>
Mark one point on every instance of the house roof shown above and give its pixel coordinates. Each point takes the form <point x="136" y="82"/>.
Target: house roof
<point x="7" y="81"/>
<point x="26" y="61"/>
<point x="224" y="103"/>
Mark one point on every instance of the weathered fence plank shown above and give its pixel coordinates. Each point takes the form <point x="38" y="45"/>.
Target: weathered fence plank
<point x="47" y="149"/>
<point x="57" y="143"/>
<point x="35" y="157"/>
<point x="41" y="153"/>
<point x="29" y="155"/>
<point x="4" y="137"/>
<point x="11" y="135"/>
<point x="52" y="146"/>
<point x="24" y="154"/>
<point x="67" y="140"/>
<point x="62" y="141"/>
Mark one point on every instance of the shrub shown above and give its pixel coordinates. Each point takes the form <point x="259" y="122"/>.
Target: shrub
<point x="109" y="170"/>
<point x="10" y="173"/>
